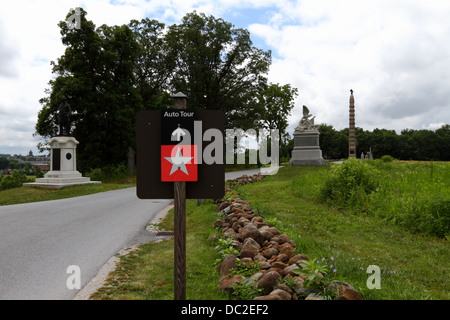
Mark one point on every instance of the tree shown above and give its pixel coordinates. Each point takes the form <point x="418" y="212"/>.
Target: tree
<point x="218" y="68"/>
<point x="96" y="74"/>
<point x="155" y="63"/>
<point x="277" y="102"/>
<point x="443" y="142"/>
<point x="334" y="144"/>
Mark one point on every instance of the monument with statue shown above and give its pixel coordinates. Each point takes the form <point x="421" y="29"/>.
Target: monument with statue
<point x="306" y="150"/>
<point x="63" y="156"/>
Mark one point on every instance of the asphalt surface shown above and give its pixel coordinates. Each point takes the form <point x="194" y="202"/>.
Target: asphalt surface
<point x="40" y="241"/>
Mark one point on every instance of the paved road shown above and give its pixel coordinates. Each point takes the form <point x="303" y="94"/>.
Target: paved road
<point x="39" y="241"/>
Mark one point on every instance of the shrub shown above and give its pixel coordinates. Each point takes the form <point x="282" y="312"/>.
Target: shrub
<point x="349" y="183"/>
<point x="15" y="180"/>
<point x="431" y="216"/>
<point x="387" y="158"/>
<point x="108" y="173"/>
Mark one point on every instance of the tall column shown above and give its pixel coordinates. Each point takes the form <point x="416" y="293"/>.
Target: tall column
<point x="351" y="129"/>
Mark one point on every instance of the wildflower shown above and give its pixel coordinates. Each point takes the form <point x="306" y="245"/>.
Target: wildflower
<point x="334" y="270"/>
<point x="332" y="259"/>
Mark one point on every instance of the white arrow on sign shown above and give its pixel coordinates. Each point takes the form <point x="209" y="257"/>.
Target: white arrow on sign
<point x="178" y="132"/>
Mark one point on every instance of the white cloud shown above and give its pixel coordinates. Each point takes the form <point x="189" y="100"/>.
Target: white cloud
<point x="395" y="55"/>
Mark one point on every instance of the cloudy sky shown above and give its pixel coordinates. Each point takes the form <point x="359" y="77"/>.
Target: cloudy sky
<point x="394" y="54"/>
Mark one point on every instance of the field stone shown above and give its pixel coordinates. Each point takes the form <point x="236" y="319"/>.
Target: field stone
<point x="282" y="294"/>
<point x="264" y="265"/>
<point x="227" y="264"/>
<point x="227" y="283"/>
<point x="296" y="258"/>
<point x="255" y="235"/>
<point x="269" y="252"/>
<point x="289" y="270"/>
<point x="268" y="281"/>
<point x="283" y="257"/>
<point x="287" y="250"/>
<point x="250" y="244"/>
<point x="274" y="230"/>
<point x="268" y="297"/>
<point x="284" y="287"/>
<point x="346" y="293"/>
<point x="267" y="235"/>
<point x="260" y="257"/>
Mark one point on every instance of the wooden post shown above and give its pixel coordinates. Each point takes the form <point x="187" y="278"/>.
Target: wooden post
<point x="180" y="240"/>
<point x="180" y="223"/>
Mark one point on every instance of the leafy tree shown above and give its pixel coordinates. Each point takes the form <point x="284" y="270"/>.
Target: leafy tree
<point x="96" y="74"/>
<point x="277" y="102"/>
<point x="443" y="142"/>
<point x="155" y="63"/>
<point x="217" y="67"/>
<point x="4" y="163"/>
<point x="333" y="143"/>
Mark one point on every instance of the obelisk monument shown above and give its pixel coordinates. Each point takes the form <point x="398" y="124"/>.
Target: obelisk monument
<point x="351" y="129"/>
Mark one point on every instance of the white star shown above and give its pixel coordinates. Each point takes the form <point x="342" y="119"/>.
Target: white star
<point x="178" y="162"/>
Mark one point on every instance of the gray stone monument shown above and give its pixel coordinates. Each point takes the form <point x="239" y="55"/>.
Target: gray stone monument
<point x="306" y="150"/>
<point x="63" y="156"/>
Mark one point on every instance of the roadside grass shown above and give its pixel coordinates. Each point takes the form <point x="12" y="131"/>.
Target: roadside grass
<point x="34" y="194"/>
<point x="413" y="266"/>
<point x="148" y="273"/>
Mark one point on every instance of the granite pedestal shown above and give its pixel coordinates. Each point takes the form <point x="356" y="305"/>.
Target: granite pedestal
<point x="306" y="150"/>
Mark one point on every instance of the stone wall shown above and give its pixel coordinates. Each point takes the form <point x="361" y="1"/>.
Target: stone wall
<point x="274" y="253"/>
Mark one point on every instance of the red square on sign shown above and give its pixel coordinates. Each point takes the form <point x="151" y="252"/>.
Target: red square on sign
<point x="179" y="163"/>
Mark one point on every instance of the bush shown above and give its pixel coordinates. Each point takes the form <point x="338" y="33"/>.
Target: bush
<point x="349" y="183"/>
<point x="108" y="173"/>
<point x="387" y="158"/>
<point x="431" y="216"/>
<point x="15" y="180"/>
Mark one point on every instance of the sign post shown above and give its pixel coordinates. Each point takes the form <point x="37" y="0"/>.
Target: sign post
<point x="180" y="156"/>
<point x="179" y="193"/>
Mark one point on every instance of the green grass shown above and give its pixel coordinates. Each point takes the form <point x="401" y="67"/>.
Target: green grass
<point x="414" y="265"/>
<point x="355" y="241"/>
<point x="34" y="194"/>
<point x="149" y="272"/>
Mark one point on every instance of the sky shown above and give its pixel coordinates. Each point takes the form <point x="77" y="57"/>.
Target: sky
<point x="394" y="54"/>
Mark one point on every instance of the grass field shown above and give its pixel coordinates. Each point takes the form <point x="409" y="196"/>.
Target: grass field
<point x="32" y="194"/>
<point x="414" y="265"/>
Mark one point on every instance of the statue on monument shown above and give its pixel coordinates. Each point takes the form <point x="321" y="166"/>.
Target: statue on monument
<point x="306" y="123"/>
<point x="306" y="150"/>
<point x="64" y="118"/>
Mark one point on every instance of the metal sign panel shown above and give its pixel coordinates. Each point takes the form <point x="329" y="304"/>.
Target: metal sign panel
<point x="156" y="129"/>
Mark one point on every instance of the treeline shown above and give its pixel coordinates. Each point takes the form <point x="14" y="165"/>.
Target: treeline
<point x="109" y="73"/>
<point x="408" y="145"/>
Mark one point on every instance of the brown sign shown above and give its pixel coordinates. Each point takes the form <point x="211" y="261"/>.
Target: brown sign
<point x="151" y="126"/>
